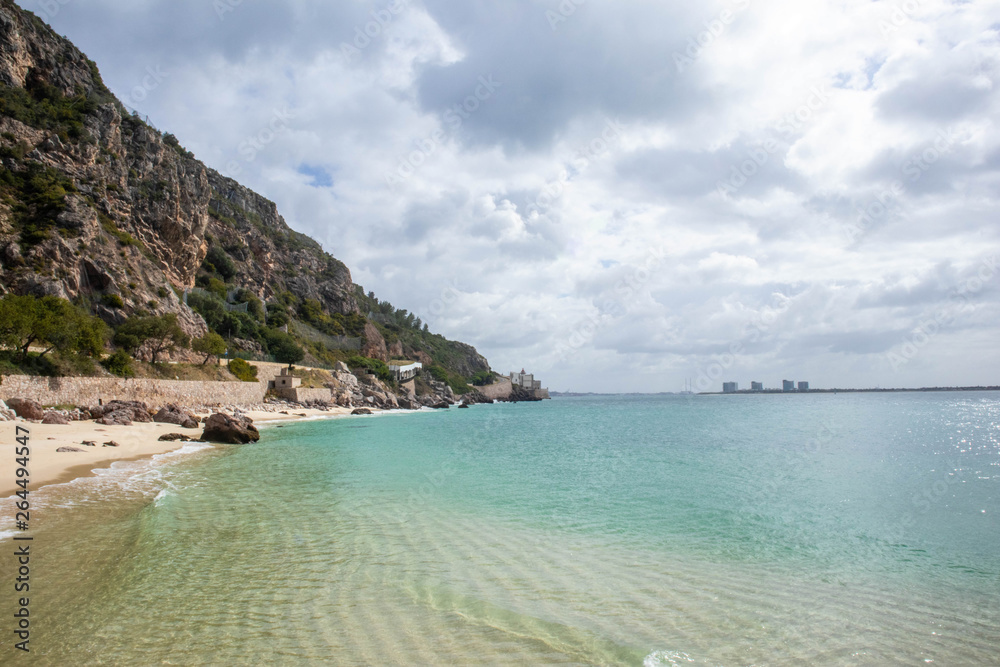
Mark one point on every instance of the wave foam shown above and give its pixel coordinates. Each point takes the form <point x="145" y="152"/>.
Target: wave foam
<point x="666" y="659"/>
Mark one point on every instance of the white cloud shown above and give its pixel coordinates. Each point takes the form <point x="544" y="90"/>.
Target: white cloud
<point x="541" y="236"/>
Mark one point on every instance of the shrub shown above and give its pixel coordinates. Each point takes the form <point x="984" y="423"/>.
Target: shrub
<point x="376" y="367"/>
<point x="243" y="370"/>
<point x="112" y="301"/>
<point x="482" y="378"/>
<point x="120" y="364"/>
<point x="38" y="195"/>
<point x="217" y="261"/>
<point x="211" y="345"/>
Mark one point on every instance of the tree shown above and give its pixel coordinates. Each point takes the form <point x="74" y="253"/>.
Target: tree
<point x="288" y="352"/>
<point x="51" y="322"/>
<point x="156" y="333"/>
<point x="211" y="345"/>
<point x="18" y="322"/>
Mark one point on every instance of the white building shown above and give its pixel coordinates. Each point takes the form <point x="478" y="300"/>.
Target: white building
<point x="526" y="380"/>
<point x="404" y="371"/>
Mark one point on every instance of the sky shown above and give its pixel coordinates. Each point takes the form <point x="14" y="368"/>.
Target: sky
<point x="616" y="196"/>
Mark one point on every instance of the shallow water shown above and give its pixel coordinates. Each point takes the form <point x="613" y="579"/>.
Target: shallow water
<point x="820" y="529"/>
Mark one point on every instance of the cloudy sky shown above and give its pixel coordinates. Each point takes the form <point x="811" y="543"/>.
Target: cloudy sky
<point x="618" y="196"/>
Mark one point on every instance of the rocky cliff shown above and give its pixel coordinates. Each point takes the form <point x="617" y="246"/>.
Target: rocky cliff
<point x="100" y="208"/>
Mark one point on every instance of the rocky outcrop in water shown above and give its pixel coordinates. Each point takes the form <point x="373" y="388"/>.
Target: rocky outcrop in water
<point x="231" y="430"/>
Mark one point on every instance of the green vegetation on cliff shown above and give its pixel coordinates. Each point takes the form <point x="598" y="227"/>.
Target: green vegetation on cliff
<point x="98" y="206"/>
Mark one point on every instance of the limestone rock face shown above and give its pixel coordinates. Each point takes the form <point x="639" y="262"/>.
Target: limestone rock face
<point x="374" y="347"/>
<point x="140" y="213"/>
<point x="227" y="429"/>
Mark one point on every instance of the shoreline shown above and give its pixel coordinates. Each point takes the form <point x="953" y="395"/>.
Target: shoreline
<point x="139" y="441"/>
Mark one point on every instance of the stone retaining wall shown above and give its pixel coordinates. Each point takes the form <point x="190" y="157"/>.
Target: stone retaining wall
<point x="306" y="395"/>
<point x="499" y="391"/>
<point x="88" y="391"/>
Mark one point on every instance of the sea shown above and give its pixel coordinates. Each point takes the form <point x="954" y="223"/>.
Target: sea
<point x="813" y="529"/>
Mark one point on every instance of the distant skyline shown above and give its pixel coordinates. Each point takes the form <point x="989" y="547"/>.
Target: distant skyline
<point x="615" y="196"/>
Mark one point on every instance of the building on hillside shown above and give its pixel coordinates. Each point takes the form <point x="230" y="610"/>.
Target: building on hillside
<point x="803" y="386"/>
<point x="730" y="387"/>
<point x="756" y="386"/>
<point x="527" y="381"/>
<point x="788" y="385"/>
<point x="289" y="387"/>
<point x="404" y="371"/>
<point x="284" y="381"/>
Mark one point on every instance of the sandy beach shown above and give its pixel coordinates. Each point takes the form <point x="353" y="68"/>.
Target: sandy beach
<point x="140" y="440"/>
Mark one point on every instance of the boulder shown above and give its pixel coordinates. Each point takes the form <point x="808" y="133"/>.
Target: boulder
<point x="362" y="411"/>
<point x="230" y="430"/>
<point x="111" y="443"/>
<point x="89" y="443"/>
<point x="119" y="418"/>
<point x="441" y="405"/>
<point x="464" y="405"/>
<point x="174" y="437"/>
<point x="134" y="411"/>
<point x="341" y="367"/>
<point x="55" y="418"/>
<point x="171" y="414"/>
<point x="26" y="408"/>
<point x="6" y="414"/>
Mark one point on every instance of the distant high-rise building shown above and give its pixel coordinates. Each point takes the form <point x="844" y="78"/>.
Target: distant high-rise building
<point x="788" y="385"/>
<point x="730" y="387"/>
<point x="756" y="386"/>
<point x="803" y="386"/>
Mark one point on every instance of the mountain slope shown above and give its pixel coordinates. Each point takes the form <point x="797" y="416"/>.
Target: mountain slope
<point x="100" y="208"/>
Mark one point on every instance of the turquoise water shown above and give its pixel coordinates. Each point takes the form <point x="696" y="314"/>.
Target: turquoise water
<point x="849" y="529"/>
